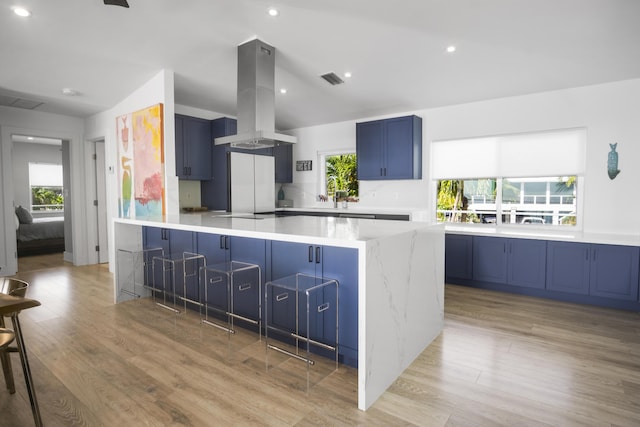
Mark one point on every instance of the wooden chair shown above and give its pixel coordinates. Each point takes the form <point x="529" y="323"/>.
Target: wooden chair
<point x="12" y="301"/>
<point x="16" y="288"/>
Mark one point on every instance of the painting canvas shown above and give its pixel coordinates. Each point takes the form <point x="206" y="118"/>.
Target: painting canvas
<point x="141" y="163"/>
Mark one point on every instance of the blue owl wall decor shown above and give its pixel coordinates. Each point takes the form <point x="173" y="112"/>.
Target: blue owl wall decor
<point x="612" y="162"/>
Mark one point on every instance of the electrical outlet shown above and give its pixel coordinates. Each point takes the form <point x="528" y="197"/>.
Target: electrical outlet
<point x="373" y="194"/>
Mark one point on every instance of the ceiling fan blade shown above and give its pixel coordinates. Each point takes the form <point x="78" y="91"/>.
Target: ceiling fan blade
<point x="122" y="3"/>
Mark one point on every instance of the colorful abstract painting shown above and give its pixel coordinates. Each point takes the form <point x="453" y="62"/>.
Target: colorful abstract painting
<point x="141" y="163"/>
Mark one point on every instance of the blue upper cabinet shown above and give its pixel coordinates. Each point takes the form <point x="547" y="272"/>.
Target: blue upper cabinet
<point x="193" y="148"/>
<point x="214" y="191"/>
<point x="389" y="149"/>
<point x="283" y="155"/>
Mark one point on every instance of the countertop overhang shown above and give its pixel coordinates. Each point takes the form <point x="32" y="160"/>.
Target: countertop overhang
<point x="345" y="232"/>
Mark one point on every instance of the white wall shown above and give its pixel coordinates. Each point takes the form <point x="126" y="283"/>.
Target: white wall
<point x="609" y="112"/>
<point x="36" y="123"/>
<point x="159" y="89"/>
<point x="23" y="154"/>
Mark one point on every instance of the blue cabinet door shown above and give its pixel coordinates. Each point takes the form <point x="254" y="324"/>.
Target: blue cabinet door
<point x="213" y="289"/>
<point x="341" y="264"/>
<point x="198" y="144"/>
<point x="219" y="249"/>
<point x="329" y="262"/>
<point x="527" y="263"/>
<point x="186" y="283"/>
<point x="153" y="238"/>
<point x="568" y="267"/>
<point x="214" y="191"/>
<point x="181" y="162"/>
<point x="193" y="148"/>
<point x="398" y="150"/>
<point x="370" y="150"/>
<point x="283" y="155"/>
<point x="287" y="259"/>
<point x="458" y="257"/>
<point x="614" y="272"/>
<point x="389" y="149"/>
<point x="174" y="243"/>
<point x="490" y="259"/>
<point x="246" y="292"/>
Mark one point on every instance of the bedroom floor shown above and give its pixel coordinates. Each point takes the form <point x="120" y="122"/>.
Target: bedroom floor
<point x="40" y="262"/>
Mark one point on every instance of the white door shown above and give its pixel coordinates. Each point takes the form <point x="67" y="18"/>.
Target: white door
<point x="101" y="194"/>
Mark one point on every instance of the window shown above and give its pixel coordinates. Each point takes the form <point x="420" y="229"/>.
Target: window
<point x="539" y="201"/>
<point x="533" y="178"/>
<point x="45" y="182"/>
<point x="339" y="174"/>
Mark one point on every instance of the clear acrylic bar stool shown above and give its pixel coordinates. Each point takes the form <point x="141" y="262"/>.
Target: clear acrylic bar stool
<point x="302" y="311"/>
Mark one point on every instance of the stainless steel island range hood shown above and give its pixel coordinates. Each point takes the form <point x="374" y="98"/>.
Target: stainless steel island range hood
<point x="256" y="99"/>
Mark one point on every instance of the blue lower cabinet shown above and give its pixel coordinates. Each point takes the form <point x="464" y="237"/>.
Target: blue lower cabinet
<point x="614" y="272"/>
<point x="568" y="267"/>
<point x="515" y="262"/>
<point x="174" y="243"/>
<point x="526" y="263"/>
<point x="220" y="249"/>
<point x="458" y="257"/>
<point x="490" y="259"/>
<point x="246" y="292"/>
<point x="329" y="262"/>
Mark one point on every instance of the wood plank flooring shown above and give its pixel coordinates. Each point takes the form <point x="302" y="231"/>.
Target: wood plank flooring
<point x="502" y="360"/>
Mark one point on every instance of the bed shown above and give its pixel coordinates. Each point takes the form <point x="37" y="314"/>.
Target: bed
<point x="40" y="235"/>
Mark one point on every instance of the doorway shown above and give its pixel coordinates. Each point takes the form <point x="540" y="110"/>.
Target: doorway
<point x="39" y="197"/>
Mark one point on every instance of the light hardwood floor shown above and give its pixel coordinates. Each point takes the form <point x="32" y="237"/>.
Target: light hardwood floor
<point x="501" y="360"/>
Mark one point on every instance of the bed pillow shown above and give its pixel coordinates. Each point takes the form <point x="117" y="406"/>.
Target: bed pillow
<point x="24" y="216"/>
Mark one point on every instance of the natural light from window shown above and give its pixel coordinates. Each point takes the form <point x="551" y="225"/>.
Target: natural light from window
<point x="45" y="182"/>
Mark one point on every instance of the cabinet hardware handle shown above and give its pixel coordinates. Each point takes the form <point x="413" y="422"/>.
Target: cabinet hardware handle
<point x="226" y="242"/>
<point x="317" y="254"/>
<point x="282" y="297"/>
<point x="323" y="307"/>
<point x="310" y="253"/>
<point x="381" y="172"/>
<point x="221" y="242"/>
<point x="215" y="279"/>
<point x="244" y="287"/>
<point x="385" y="171"/>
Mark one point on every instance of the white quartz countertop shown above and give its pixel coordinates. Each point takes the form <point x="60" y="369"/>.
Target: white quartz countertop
<point x="346" y="232"/>
<point x="352" y="208"/>
<point x="537" y="233"/>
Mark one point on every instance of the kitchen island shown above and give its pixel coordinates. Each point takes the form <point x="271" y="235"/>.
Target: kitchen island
<point x="398" y="266"/>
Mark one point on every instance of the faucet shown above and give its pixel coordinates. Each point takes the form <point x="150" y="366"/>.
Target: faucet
<point x="335" y="190"/>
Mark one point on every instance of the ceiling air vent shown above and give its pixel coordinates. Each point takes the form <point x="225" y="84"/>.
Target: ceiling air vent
<point x="332" y="78"/>
<point x="11" y="101"/>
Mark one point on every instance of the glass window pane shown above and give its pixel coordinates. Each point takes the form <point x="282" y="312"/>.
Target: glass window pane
<point x="539" y="201"/>
<point x="467" y="201"/>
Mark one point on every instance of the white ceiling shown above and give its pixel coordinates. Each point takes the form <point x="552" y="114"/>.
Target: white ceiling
<point x="395" y="50"/>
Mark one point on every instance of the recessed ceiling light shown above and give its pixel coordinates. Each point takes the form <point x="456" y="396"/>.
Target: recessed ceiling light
<point x="20" y="11"/>
<point x="347" y="74"/>
<point x="451" y="49"/>
<point x="70" y="92"/>
<point x="283" y="90"/>
<point x="30" y="138"/>
<point x="273" y="12"/>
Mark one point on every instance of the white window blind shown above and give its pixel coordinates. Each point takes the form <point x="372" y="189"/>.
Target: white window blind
<point x="45" y="175"/>
<point x="552" y="153"/>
